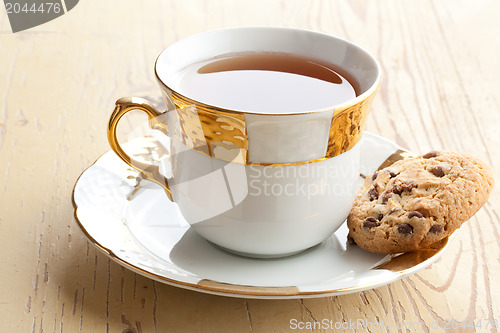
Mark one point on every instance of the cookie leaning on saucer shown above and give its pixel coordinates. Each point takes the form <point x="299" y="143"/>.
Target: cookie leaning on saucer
<point x="418" y="201"/>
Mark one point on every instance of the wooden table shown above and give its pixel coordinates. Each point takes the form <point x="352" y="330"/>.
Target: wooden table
<point x="58" y="84"/>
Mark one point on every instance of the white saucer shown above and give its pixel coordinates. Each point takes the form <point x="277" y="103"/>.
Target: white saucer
<point x="134" y="223"/>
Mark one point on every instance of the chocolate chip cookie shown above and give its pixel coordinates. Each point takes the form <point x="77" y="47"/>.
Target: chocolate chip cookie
<point x="418" y="201"/>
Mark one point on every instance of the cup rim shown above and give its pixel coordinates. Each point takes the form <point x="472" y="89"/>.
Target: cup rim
<point x="358" y="99"/>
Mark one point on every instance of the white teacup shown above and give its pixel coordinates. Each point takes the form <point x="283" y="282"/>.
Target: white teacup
<point x="258" y="184"/>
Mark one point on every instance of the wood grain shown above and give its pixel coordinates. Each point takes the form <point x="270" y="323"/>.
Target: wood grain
<point x="58" y="84"/>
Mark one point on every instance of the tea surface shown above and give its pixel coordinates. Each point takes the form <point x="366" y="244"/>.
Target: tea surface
<point x="267" y="83"/>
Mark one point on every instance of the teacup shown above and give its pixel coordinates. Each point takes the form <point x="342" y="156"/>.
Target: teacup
<point x="257" y="183"/>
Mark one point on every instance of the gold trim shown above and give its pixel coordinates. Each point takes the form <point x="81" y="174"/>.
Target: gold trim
<point x="122" y="107"/>
<point x="210" y="131"/>
<point x="347" y="126"/>
<point x="405" y="261"/>
<point x="247" y="290"/>
<point x="400" y="154"/>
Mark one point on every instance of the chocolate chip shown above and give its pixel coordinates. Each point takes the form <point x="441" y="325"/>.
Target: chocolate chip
<point x="370" y="222"/>
<point x="373" y="194"/>
<point x="436" y="229"/>
<point x="405" y="186"/>
<point x="408" y="185"/>
<point x="430" y="154"/>
<point x="391" y="173"/>
<point x="405" y="229"/>
<point x="415" y="214"/>
<point x="437" y="171"/>
<point x="351" y="240"/>
<point x="380" y="217"/>
<point x="396" y="189"/>
<point x="375" y="175"/>
<point x="386" y="197"/>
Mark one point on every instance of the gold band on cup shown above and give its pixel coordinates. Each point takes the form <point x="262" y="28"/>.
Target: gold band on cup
<point x="204" y="128"/>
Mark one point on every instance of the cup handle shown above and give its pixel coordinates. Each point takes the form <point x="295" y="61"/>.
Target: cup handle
<point x="147" y="171"/>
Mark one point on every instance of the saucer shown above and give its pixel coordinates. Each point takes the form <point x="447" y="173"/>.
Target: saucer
<point x="133" y="222"/>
